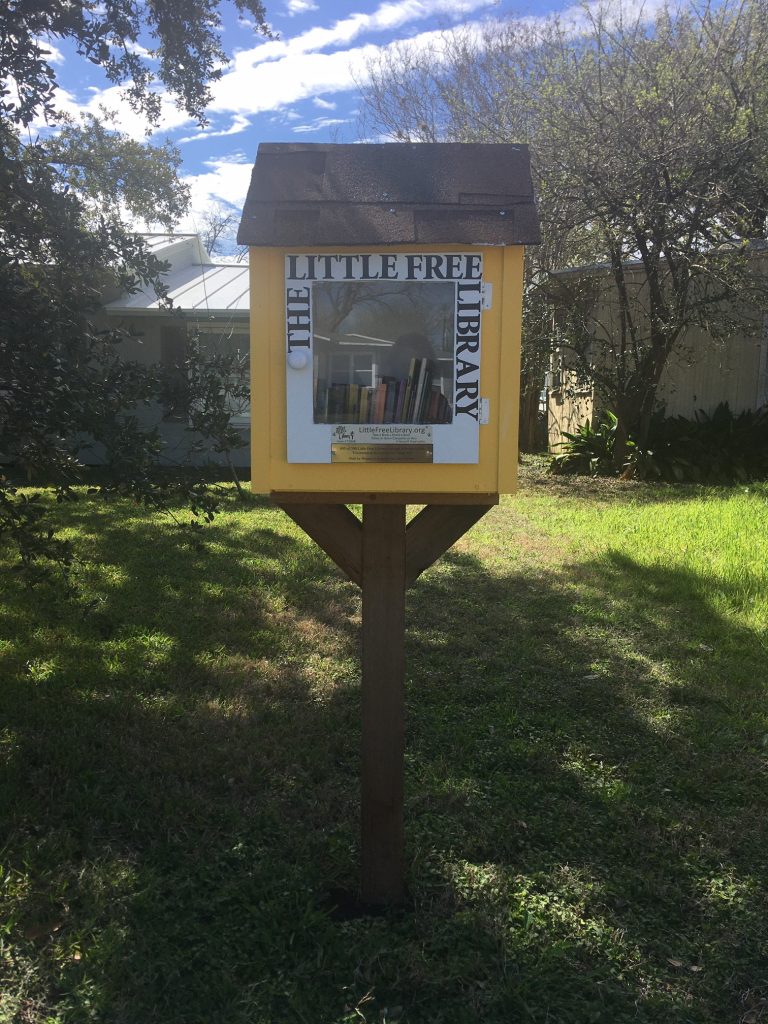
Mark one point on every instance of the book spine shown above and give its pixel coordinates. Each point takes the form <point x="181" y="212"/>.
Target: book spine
<point x="400" y="401"/>
<point x="408" y="397"/>
<point x="425" y="396"/>
<point x="381" y="398"/>
<point x="389" y="404"/>
<point x="419" y="397"/>
<point x="434" y="397"/>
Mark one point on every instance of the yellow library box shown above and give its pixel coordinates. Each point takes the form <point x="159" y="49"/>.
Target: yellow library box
<point x="386" y="303"/>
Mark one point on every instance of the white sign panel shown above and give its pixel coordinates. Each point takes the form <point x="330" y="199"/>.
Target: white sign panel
<point x="383" y="349"/>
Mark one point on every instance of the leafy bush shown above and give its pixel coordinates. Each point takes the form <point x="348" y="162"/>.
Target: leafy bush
<point x="716" y="448"/>
<point x="721" y="448"/>
<point x="588" y="450"/>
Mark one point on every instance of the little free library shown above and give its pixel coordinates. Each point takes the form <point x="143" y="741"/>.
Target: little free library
<point x="386" y="303"/>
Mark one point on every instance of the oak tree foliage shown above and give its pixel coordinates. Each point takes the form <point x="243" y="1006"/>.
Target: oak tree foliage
<point x="110" y="172"/>
<point x="63" y="239"/>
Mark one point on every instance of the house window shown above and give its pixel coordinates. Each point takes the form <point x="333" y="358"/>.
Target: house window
<point x="230" y="342"/>
<point x="173" y="356"/>
<point x="226" y="343"/>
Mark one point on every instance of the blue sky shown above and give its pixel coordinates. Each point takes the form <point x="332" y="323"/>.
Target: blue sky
<point x="299" y="87"/>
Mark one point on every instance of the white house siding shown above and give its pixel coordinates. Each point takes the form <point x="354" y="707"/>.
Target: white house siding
<point x="208" y="297"/>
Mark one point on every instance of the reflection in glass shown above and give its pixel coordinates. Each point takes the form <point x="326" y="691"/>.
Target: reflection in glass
<point x="383" y="351"/>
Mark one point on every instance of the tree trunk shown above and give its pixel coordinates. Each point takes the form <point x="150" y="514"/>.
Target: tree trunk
<point x="530" y="392"/>
<point x="634" y="411"/>
<point x="240" y="492"/>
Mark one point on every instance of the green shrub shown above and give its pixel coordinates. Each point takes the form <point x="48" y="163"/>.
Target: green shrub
<point x="716" y="448"/>
<point x="721" y="448"/>
<point x="588" y="450"/>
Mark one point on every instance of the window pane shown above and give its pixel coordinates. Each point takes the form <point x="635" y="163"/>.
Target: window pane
<point x="383" y="351"/>
<point x="228" y="348"/>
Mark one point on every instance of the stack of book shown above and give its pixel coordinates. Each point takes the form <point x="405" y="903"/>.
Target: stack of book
<point x="414" y="399"/>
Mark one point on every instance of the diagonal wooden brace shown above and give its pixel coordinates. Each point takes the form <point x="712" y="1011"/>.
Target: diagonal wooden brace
<point x="435" y="529"/>
<point x="340" y="534"/>
<point x="336" y="530"/>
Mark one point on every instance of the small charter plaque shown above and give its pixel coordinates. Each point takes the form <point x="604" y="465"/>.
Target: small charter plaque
<point x="381" y="452"/>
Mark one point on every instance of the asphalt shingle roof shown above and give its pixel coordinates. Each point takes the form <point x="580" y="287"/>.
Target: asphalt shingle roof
<point x="390" y="194"/>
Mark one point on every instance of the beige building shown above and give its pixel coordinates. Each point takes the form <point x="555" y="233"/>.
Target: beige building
<point x="700" y="373"/>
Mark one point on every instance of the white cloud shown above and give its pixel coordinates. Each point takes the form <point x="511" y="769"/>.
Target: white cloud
<point x="112" y="99"/>
<point x="387" y="17"/>
<point x="299" y="7"/>
<point x="284" y="117"/>
<point x="239" y="124"/>
<point x="50" y="51"/>
<point x="275" y="74"/>
<point x="225" y="180"/>
<point x="318" y="124"/>
<point x="276" y="84"/>
<point x="279" y="72"/>
<point x="135" y="48"/>
<point x="281" y="83"/>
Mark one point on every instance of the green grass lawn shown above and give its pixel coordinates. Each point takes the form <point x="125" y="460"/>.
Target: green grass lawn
<point x="587" y="772"/>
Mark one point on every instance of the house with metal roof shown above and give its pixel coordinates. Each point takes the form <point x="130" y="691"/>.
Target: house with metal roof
<point x="200" y="287"/>
<point x="209" y="298"/>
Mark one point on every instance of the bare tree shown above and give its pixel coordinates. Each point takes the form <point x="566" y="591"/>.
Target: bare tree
<point x="649" y="156"/>
<point x="218" y="224"/>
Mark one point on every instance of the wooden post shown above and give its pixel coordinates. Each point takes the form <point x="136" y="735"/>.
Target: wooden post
<point x="383" y="705"/>
<point x="384" y="559"/>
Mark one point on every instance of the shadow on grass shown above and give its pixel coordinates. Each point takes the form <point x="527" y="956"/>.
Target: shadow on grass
<point x="606" y="737"/>
<point x="585" y="810"/>
<point x="535" y="475"/>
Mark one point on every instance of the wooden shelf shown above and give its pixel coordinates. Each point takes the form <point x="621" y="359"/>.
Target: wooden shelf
<point x="373" y="498"/>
